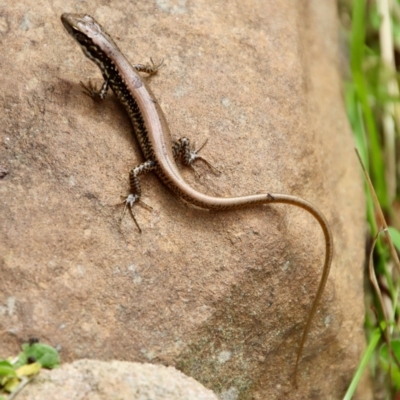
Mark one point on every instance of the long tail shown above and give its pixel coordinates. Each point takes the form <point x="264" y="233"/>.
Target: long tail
<point x="317" y="214"/>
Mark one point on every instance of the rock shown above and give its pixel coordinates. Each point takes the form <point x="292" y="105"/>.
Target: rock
<point x="222" y="296"/>
<point x="99" y="380"/>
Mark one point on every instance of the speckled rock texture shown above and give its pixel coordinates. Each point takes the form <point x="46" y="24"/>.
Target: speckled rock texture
<point x="223" y="296"/>
<point x="99" y="380"/>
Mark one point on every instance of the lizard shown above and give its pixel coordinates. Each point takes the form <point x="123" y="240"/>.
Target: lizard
<point x="160" y="152"/>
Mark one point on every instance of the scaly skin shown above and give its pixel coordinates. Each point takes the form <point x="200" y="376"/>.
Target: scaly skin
<point x="153" y="136"/>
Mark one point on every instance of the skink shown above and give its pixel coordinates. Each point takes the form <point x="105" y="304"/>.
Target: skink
<point x="155" y="141"/>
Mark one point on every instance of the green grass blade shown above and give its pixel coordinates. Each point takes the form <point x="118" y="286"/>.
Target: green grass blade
<point x="374" y="340"/>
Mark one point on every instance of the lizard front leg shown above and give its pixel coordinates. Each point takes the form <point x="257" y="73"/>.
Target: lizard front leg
<point x="135" y="188"/>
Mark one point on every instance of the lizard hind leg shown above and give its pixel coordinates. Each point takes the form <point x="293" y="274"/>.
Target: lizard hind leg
<point x="182" y="150"/>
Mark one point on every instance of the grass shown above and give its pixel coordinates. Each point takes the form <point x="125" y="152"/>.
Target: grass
<point x="372" y="101"/>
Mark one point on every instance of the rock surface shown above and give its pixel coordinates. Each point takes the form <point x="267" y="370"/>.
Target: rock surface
<point x="221" y="296"/>
<point x="99" y="380"/>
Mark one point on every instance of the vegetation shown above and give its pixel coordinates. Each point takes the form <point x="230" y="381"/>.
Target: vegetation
<point x="372" y="100"/>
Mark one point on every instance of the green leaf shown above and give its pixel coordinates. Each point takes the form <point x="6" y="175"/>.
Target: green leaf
<point x="373" y="342"/>
<point x="357" y="49"/>
<point x="383" y="353"/>
<point x="384" y="358"/>
<point x="357" y="34"/>
<point x="395" y="235"/>
<point x="46" y="355"/>
<point x="6" y="369"/>
<point x="11" y="384"/>
<point x="22" y="360"/>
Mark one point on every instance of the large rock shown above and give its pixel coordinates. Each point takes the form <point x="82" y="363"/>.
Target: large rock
<point x="222" y="296"/>
<point x="97" y="380"/>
